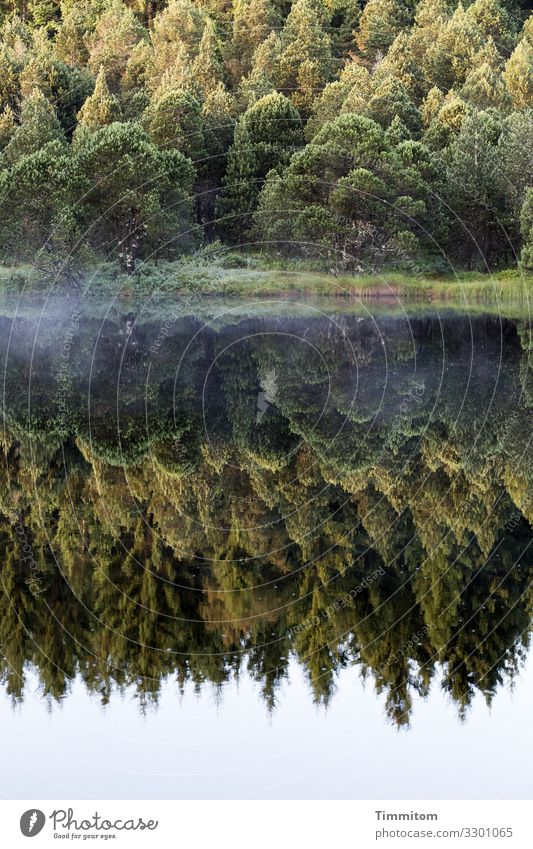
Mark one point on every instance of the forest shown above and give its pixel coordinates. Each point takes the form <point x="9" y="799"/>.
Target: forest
<point x="361" y="135"/>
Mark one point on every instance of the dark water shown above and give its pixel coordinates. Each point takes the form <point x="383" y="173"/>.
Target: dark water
<point x="261" y="503"/>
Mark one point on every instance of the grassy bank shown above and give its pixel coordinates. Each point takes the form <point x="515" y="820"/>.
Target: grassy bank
<point x="190" y="278"/>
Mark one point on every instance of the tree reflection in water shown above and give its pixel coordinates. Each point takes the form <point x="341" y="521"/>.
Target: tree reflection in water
<point x="375" y="515"/>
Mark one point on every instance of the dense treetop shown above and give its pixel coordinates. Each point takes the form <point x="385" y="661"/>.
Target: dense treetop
<point x="390" y="132"/>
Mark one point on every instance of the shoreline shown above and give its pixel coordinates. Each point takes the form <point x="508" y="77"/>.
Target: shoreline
<point x="188" y="281"/>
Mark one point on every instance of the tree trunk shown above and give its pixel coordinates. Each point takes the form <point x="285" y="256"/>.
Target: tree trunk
<point x="130" y="244"/>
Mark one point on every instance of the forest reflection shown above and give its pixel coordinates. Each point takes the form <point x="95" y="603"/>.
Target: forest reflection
<point x="198" y="501"/>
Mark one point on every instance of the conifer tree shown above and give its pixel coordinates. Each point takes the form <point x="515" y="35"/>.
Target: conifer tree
<point x="305" y="62"/>
<point x="134" y="88"/>
<point x="174" y="121"/>
<point x="518" y="73"/>
<point x="38" y="195"/>
<point x="46" y="14"/>
<point x="390" y="100"/>
<point x="39" y="125"/>
<point x="474" y="188"/>
<point x="484" y="85"/>
<point x="515" y="157"/>
<point x="9" y="81"/>
<point x="449" y="57"/>
<point x="16" y="38"/>
<point x="494" y="22"/>
<point x="380" y="23"/>
<point x="7" y="126"/>
<point x="433" y="103"/>
<point x="176" y="35"/>
<point x="219" y="112"/>
<point x="137" y="196"/>
<point x="265" y="137"/>
<point x="526" y="225"/>
<point x="401" y="63"/>
<point x="71" y="39"/>
<point x="349" y="93"/>
<point x="260" y="80"/>
<point x="63" y="86"/>
<point x="446" y="124"/>
<point x="101" y="108"/>
<point x="116" y="33"/>
<point x="207" y="68"/>
<point x="253" y="22"/>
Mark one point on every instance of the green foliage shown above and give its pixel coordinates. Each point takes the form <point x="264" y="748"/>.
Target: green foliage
<point x="136" y="197"/>
<point x="265" y="138"/>
<point x="116" y="33"/>
<point x="190" y="73"/>
<point x="37" y="199"/>
<point x="379" y="24"/>
<point x="474" y="187"/>
<point x="207" y="70"/>
<point x="518" y="73"/>
<point x="174" y="120"/>
<point x="38" y="126"/>
<point x="253" y="21"/>
<point x="526" y="224"/>
<point x="355" y="194"/>
<point x="305" y="61"/>
<point x="101" y="108"/>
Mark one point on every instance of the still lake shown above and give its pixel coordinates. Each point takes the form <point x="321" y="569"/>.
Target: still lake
<point x="265" y="550"/>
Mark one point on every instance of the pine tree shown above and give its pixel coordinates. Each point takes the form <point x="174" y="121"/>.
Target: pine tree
<point x="260" y="80"/>
<point x="350" y="93"/>
<point x="218" y="111"/>
<point x="207" y="68"/>
<point x="176" y="34"/>
<point x="346" y="194"/>
<point x="432" y="105"/>
<point x="38" y="196"/>
<point x="39" y="125"/>
<point x="173" y="120"/>
<point x="526" y="226"/>
<point x="63" y="86"/>
<point x="518" y="73"/>
<point x="7" y="126"/>
<point x="101" y="108"/>
<point x="446" y="124"/>
<point x="449" y="57"/>
<point x="265" y="137"/>
<point x="305" y="62"/>
<point x="484" y="84"/>
<point x="111" y="44"/>
<point x="137" y="197"/>
<point x="253" y="22"/>
<point x="16" y="38"/>
<point x="46" y="14"/>
<point x="380" y="23"/>
<point x="70" y="42"/>
<point x="134" y="89"/>
<point x="474" y="191"/>
<point x="345" y="15"/>
<point x="9" y="83"/>
<point x="515" y="157"/>
<point x="494" y="22"/>
<point x="400" y="62"/>
<point x="390" y="99"/>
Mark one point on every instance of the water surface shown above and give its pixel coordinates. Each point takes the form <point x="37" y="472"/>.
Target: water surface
<point x="265" y="550"/>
